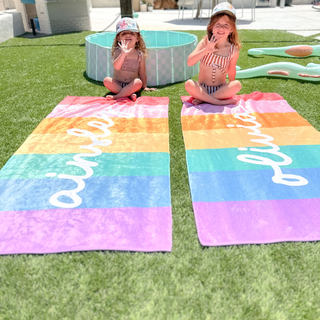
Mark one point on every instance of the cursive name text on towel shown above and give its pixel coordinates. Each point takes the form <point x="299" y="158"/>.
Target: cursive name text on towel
<point x="85" y="164"/>
<point x="279" y="176"/>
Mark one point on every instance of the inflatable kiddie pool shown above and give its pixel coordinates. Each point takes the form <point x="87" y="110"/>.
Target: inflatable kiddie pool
<point x="166" y="62"/>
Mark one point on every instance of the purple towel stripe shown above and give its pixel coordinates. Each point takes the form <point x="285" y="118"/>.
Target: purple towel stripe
<point x="261" y="221"/>
<point x="138" y="229"/>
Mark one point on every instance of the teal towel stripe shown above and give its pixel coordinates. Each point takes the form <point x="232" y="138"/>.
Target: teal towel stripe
<point x="36" y="166"/>
<point x="210" y="160"/>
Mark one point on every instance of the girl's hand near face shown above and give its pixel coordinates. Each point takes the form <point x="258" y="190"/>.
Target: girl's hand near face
<point x="124" y="47"/>
<point x="204" y="47"/>
<point x="211" y="45"/>
<point x="120" y="57"/>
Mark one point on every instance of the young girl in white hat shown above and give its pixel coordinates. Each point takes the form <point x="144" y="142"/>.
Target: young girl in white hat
<point x="218" y="53"/>
<point x="128" y="53"/>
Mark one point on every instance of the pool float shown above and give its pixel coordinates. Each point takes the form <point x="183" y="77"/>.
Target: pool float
<point x="293" y="51"/>
<point x="283" y="70"/>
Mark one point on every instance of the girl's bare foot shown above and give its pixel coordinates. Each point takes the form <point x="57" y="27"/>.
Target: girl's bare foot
<point x="224" y="102"/>
<point x="219" y="103"/>
<point x="228" y="101"/>
<point x="133" y="97"/>
<point x="196" y="101"/>
<point x="109" y="97"/>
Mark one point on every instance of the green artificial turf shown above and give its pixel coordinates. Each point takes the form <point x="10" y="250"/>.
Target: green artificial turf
<point x="274" y="281"/>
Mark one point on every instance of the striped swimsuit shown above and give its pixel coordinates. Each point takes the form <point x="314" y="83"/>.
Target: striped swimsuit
<point x="131" y="65"/>
<point x="217" y="61"/>
<point x="211" y="89"/>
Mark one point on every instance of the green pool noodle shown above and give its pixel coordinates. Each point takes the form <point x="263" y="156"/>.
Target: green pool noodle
<point x="283" y="70"/>
<point x="298" y="51"/>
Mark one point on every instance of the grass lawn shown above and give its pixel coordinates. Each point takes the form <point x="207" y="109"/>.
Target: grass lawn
<point x="274" y="281"/>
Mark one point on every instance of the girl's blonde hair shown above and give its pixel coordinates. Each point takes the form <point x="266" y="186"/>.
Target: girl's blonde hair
<point x="233" y="37"/>
<point x="140" y="45"/>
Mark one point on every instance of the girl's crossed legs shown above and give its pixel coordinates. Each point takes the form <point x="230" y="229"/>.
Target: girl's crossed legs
<point x="200" y="94"/>
<point x="127" y="90"/>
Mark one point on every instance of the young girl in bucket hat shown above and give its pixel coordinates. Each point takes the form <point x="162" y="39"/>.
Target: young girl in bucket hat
<point x="128" y="53"/>
<point x="218" y="53"/>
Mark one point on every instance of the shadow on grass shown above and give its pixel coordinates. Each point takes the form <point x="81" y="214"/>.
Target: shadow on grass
<point x="44" y="45"/>
<point x="100" y="83"/>
<point x="83" y="252"/>
<point x="29" y="35"/>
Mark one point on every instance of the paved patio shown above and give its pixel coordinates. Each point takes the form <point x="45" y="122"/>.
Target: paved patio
<point x="300" y="19"/>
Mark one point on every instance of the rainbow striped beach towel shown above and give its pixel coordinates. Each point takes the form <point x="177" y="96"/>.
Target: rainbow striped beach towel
<point x="94" y="175"/>
<point x="254" y="171"/>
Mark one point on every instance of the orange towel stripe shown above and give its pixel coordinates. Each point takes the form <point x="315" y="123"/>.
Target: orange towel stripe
<point x="239" y="137"/>
<point x="220" y="121"/>
<point x="133" y="125"/>
<point x="121" y="142"/>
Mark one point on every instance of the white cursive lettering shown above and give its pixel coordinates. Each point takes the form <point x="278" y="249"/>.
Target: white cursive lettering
<point x="279" y="176"/>
<point x="82" y="163"/>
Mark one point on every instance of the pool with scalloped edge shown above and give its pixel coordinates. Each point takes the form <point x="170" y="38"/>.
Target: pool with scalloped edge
<point x="168" y="52"/>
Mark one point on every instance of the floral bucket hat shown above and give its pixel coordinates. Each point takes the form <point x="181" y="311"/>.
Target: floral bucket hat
<point x="225" y="7"/>
<point x="127" y="24"/>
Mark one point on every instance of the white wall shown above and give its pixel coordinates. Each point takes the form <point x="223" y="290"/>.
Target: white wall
<point x="6" y="5"/>
<point x="295" y="2"/>
<point x="69" y="16"/>
<point x="105" y="3"/>
<point x="64" y="10"/>
<point x="11" y="25"/>
<point x="18" y="27"/>
<point x="57" y="16"/>
<point x="9" y="4"/>
<point x="6" y="27"/>
<point x="20" y="7"/>
<point x="43" y="16"/>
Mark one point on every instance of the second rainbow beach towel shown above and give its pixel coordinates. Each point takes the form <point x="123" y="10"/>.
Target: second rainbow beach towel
<point x="254" y="171"/>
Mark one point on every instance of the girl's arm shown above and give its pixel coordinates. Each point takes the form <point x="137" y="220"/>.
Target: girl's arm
<point x="120" y="55"/>
<point x="143" y="74"/>
<point x="204" y="46"/>
<point x="232" y="66"/>
<point x="118" y="59"/>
